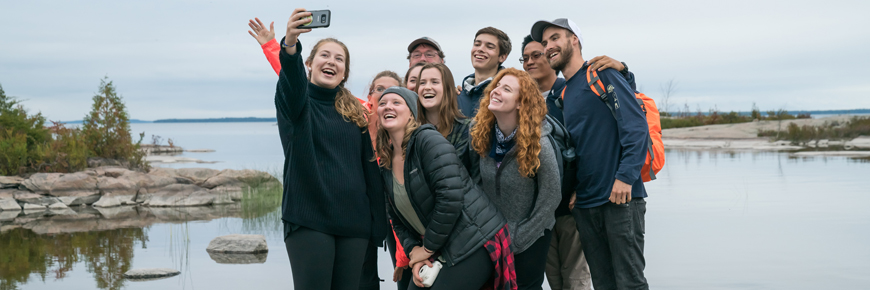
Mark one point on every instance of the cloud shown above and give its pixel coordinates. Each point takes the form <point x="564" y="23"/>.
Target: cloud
<point x="180" y="59"/>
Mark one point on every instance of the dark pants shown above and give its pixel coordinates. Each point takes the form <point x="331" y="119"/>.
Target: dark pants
<point x="369" y="279"/>
<point x="531" y="263"/>
<point x="471" y="273"/>
<point x="612" y="239"/>
<point x="406" y="274"/>
<point x="321" y="261"/>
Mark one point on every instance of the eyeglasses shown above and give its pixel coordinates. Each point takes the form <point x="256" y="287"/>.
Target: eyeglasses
<point x="535" y="55"/>
<point x="379" y="89"/>
<point x="427" y="55"/>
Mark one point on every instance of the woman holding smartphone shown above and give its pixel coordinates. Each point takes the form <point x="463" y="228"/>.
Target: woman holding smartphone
<point x="518" y="167"/>
<point x="333" y="200"/>
<point x="436" y="209"/>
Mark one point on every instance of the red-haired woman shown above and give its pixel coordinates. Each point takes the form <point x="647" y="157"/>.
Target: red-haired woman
<point x="333" y="198"/>
<point x="518" y="168"/>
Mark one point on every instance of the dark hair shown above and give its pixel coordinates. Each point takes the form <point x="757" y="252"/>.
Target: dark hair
<point x="408" y="74"/>
<point x="448" y="111"/>
<point x="440" y="53"/>
<point x="528" y="39"/>
<point x="504" y="42"/>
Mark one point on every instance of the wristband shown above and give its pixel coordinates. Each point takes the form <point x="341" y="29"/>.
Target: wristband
<point x="427" y="250"/>
<point x="287" y="46"/>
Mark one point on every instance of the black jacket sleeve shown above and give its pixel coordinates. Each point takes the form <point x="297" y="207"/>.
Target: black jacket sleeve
<point x="447" y="180"/>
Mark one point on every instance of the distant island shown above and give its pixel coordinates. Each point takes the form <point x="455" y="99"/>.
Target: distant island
<point x="217" y="120"/>
<point x="796" y="112"/>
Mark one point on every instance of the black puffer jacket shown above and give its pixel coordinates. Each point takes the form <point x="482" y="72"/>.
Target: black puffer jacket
<point x="458" y="216"/>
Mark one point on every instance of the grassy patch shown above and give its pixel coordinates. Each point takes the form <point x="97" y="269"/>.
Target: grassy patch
<point x="800" y="135"/>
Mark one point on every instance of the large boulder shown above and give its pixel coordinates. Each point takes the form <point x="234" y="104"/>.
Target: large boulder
<point x="40" y="182"/>
<point x="116" y="191"/>
<point x="9" y="204"/>
<point x="198" y="175"/>
<point x="180" y="195"/>
<point x="82" y="183"/>
<point x="27" y="197"/>
<point x="150" y="273"/>
<point x="227" y="258"/>
<point x="238" y="244"/>
<point x="10" y="181"/>
<point x="238" y="177"/>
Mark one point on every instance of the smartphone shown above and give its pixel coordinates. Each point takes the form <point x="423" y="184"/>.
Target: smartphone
<point x="319" y="19"/>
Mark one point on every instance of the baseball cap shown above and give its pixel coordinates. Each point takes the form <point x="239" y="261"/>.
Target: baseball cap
<point x="423" y="40"/>
<point x="538" y="28"/>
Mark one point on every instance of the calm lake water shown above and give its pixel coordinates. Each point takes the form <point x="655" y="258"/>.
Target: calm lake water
<point x="715" y="220"/>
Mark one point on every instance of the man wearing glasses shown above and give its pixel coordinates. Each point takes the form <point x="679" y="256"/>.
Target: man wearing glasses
<point x="424" y="49"/>
<point x="566" y="264"/>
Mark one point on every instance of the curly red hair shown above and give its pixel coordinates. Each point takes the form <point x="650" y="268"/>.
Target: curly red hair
<point x="531" y="111"/>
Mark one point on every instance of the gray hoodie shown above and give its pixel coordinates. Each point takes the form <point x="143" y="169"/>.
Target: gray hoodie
<point x="514" y="194"/>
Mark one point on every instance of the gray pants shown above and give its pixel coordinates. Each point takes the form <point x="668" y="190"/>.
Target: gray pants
<point x="566" y="264"/>
<point x="612" y="237"/>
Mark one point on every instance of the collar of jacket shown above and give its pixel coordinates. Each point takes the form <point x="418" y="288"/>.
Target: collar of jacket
<point x="468" y="82"/>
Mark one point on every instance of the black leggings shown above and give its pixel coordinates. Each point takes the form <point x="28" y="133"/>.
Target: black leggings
<point x="530" y="264"/>
<point x="471" y="273"/>
<point x="322" y="261"/>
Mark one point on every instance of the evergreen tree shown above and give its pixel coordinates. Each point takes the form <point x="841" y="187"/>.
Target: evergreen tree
<point x="106" y="129"/>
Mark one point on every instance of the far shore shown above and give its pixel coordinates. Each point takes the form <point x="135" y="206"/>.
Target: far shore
<point x="744" y="136"/>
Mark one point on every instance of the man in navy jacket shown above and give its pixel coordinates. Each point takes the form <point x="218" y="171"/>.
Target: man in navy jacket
<point x="490" y="49"/>
<point x="611" y="148"/>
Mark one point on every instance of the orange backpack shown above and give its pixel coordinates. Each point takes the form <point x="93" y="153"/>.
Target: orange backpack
<point x="656" y="150"/>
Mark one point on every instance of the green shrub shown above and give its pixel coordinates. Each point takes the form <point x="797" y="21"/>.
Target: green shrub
<point x="798" y="135"/>
<point x="106" y="129"/>
<point x="13" y="152"/>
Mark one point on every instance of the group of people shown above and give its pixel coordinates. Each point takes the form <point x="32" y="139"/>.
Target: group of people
<point x="471" y="176"/>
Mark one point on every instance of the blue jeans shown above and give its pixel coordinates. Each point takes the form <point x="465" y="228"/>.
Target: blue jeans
<point x="612" y="239"/>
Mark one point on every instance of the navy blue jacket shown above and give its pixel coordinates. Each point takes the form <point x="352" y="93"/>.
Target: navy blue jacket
<point x="607" y="148"/>
<point x="469" y="100"/>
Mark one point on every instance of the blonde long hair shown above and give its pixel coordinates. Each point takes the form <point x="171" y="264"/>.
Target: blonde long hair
<point x="345" y="103"/>
<point x="384" y="147"/>
<point x="532" y="109"/>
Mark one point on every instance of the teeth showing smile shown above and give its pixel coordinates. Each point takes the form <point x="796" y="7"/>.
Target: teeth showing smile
<point x="388" y="116"/>
<point x="496" y="100"/>
<point x="328" y="72"/>
<point x="428" y="95"/>
<point x="553" y="55"/>
<point x="479" y="56"/>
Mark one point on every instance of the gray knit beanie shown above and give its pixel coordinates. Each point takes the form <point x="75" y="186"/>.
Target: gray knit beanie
<point x="409" y="96"/>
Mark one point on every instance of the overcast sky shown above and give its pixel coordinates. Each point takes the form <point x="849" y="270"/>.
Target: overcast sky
<point x="195" y="59"/>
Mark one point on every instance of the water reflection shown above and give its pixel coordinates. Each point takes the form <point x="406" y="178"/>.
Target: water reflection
<point x="107" y="254"/>
<point x="46" y="245"/>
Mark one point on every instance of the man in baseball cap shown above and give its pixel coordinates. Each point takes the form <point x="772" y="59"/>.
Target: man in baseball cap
<point x="611" y="148"/>
<point x="424" y="49"/>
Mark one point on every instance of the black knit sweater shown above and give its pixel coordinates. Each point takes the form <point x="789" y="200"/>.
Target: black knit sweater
<point x="330" y="185"/>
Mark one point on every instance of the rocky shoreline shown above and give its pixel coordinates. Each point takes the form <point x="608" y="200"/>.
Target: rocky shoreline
<point x="107" y="187"/>
<point x="744" y="136"/>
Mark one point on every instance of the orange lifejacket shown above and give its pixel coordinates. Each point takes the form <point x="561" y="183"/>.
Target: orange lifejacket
<point x="655" y="157"/>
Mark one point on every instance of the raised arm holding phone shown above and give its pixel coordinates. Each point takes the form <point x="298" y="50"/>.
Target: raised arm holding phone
<point x="333" y="203"/>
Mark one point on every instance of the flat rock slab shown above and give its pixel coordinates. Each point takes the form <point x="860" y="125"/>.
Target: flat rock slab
<point x="8" y="204"/>
<point x="150" y="273"/>
<point x="226" y="258"/>
<point x="238" y="244"/>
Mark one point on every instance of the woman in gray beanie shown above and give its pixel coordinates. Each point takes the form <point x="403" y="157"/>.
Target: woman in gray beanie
<point x="436" y="209"/>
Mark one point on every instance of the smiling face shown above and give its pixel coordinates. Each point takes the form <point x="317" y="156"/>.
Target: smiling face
<point x="558" y="47"/>
<point x="380" y="85"/>
<point x="393" y="112"/>
<point x="484" y="52"/>
<point x="413" y="75"/>
<point x="536" y="65"/>
<point x="430" y="88"/>
<point x="328" y="65"/>
<point x="504" y="98"/>
<point x="424" y="53"/>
